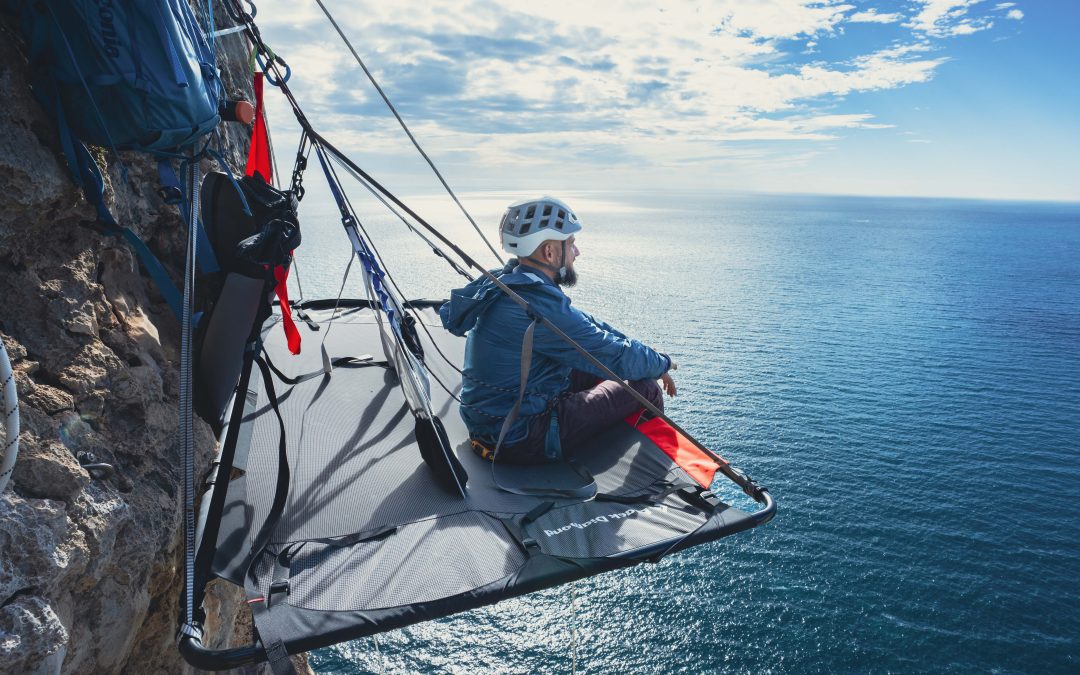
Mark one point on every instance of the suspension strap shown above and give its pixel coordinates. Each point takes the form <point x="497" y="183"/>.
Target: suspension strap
<point x="173" y="193"/>
<point x="408" y="133"/>
<point x="87" y="175"/>
<point x="382" y="200"/>
<point x="339" y="362"/>
<point x="263" y="603"/>
<point x="588" y="491"/>
<point x="363" y="253"/>
<point x="258" y="159"/>
<point x="281" y="289"/>
<point x="220" y="478"/>
<point x="267" y="617"/>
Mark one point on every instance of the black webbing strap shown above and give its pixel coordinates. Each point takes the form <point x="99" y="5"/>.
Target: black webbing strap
<point x="652" y="496"/>
<point x="526" y="363"/>
<point x="267" y="621"/>
<point x="587" y="491"/>
<point x="208" y="545"/>
<point x="338" y="362"/>
<point x="516" y="527"/>
<point x="238" y="434"/>
<point x="347" y="540"/>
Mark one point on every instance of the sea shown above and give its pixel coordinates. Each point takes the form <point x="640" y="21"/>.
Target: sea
<point x="904" y="376"/>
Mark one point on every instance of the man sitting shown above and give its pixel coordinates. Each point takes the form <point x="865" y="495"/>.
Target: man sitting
<point x="565" y="400"/>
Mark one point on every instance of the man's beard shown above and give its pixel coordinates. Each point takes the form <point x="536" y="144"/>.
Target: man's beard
<point x="567" y="278"/>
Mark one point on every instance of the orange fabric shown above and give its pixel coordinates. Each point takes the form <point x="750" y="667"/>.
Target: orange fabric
<point x="258" y="161"/>
<point x="676" y="446"/>
<point x="259" y="151"/>
<point x="292" y="335"/>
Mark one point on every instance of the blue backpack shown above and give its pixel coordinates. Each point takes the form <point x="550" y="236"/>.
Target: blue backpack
<point x="124" y="75"/>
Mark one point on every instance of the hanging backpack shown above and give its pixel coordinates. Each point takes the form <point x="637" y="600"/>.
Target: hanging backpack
<point x="124" y="75"/>
<point x="253" y="229"/>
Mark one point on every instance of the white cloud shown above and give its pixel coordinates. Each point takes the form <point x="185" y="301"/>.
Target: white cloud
<point x="1004" y="5"/>
<point x="783" y="19"/>
<point x="522" y="86"/>
<point x="1014" y="14"/>
<point x="871" y="16"/>
<point x="946" y="18"/>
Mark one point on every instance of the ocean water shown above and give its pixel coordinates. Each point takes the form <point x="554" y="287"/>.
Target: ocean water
<point x="903" y="374"/>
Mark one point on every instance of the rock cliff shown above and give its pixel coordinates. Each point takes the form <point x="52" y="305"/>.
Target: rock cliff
<point x="91" y="567"/>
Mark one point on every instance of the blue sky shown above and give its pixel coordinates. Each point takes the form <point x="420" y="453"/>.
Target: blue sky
<point x="955" y="98"/>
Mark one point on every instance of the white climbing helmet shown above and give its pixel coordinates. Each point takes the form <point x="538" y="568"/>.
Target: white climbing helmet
<point x="531" y="222"/>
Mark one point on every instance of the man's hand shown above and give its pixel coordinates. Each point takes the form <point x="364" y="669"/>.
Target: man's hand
<point x="668" y="384"/>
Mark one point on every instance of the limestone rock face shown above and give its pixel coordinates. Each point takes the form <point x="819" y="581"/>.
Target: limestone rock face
<point x="91" y="566"/>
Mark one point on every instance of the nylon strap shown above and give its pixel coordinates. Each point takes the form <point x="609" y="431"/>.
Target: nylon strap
<point x="173" y="193"/>
<point x="516" y="527"/>
<point x="258" y="159"/>
<point x="281" y="289"/>
<point x="267" y="621"/>
<point x="653" y="496"/>
<point x="526" y="363"/>
<point x="586" y="492"/>
<point x="337" y="362"/>
<point x="208" y="545"/>
<point x="86" y="174"/>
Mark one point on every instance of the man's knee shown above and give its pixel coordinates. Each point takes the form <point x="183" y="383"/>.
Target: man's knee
<point x="650" y="389"/>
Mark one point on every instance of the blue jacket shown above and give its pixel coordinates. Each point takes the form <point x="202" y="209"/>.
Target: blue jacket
<point x="496" y="326"/>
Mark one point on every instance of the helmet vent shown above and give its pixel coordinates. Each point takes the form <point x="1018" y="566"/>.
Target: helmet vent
<point x="527" y="223"/>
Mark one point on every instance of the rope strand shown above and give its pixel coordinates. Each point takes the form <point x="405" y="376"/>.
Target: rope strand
<point x="412" y="138"/>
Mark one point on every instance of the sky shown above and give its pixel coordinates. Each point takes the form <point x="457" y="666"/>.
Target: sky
<point x="943" y="98"/>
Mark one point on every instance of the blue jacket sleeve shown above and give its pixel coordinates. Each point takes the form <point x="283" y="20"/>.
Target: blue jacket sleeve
<point x="629" y="359"/>
<point x="606" y="326"/>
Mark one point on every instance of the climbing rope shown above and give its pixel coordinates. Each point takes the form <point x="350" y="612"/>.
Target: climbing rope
<point x="435" y="249"/>
<point x="186" y="422"/>
<point x="412" y="138"/>
<point x="11" y="418"/>
<point x="327" y="364"/>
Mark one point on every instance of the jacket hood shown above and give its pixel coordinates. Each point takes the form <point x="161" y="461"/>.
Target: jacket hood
<point x="459" y="314"/>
